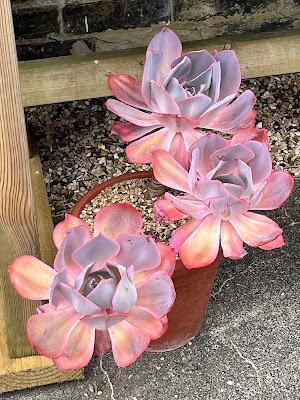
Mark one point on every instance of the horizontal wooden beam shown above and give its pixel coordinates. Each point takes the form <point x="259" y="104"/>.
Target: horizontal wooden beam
<point x="70" y="78"/>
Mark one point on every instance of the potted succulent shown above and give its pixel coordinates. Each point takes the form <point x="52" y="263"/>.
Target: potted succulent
<point x="117" y="288"/>
<point x="108" y="290"/>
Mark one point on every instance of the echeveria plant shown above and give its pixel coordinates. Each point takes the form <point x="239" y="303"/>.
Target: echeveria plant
<point x="224" y="181"/>
<point x="178" y="93"/>
<point x="109" y="290"/>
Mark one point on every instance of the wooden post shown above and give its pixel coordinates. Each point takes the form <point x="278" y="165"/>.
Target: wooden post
<point x="18" y="228"/>
<point x="25" y="372"/>
<point x="22" y="230"/>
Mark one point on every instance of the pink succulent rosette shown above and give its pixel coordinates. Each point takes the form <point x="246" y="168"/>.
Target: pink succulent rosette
<point x="225" y="180"/>
<point x="178" y="94"/>
<point x="109" y="290"/>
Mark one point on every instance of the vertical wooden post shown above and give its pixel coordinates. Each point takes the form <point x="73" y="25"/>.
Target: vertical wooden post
<point x="18" y="228"/>
<point x="22" y="230"/>
<point x="24" y="372"/>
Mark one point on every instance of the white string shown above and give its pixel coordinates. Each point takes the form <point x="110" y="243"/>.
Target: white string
<point x="247" y="361"/>
<point x="223" y="284"/>
<point x="112" y="392"/>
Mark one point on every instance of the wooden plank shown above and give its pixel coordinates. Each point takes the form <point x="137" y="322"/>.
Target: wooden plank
<point x="25" y="372"/>
<point x="34" y="371"/>
<point x="70" y="78"/>
<point x="18" y="229"/>
<point x="43" y="214"/>
<point x="21" y="228"/>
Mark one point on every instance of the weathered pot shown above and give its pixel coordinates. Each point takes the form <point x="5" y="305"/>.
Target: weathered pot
<point x="193" y="287"/>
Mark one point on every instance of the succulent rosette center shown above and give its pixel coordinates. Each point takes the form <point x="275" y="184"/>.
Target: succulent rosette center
<point x="103" y="277"/>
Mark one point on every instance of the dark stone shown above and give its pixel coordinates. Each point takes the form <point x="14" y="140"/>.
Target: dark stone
<point x="193" y="10"/>
<point x="264" y="27"/>
<point x="43" y="50"/>
<point x="240" y="6"/>
<point x="114" y="14"/>
<point x="177" y="8"/>
<point x="271" y="26"/>
<point x="199" y="9"/>
<point x="48" y="49"/>
<point x="35" y="23"/>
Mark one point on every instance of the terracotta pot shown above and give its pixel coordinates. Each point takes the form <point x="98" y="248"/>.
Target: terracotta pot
<point x="193" y="287"/>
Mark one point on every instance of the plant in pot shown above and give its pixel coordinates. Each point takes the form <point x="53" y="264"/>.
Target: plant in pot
<point x="116" y="289"/>
<point x="112" y="289"/>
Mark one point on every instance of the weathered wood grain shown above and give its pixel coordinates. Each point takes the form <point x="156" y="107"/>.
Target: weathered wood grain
<point x="42" y="209"/>
<point x="18" y="229"/>
<point x="34" y="371"/>
<point x="22" y="230"/>
<point x="25" y="372"/>
<point x="79" y="77"/>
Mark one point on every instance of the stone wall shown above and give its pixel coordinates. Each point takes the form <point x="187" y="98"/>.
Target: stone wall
<point x="46" y="28"/>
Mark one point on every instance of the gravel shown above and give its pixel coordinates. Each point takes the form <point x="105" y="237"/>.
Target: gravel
<point x="137" y="194"/>
<point x="77" y="150"/>
<point x="278" y="110"/>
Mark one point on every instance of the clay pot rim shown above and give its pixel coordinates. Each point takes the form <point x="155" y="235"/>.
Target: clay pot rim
<point x="96" y="190"/>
